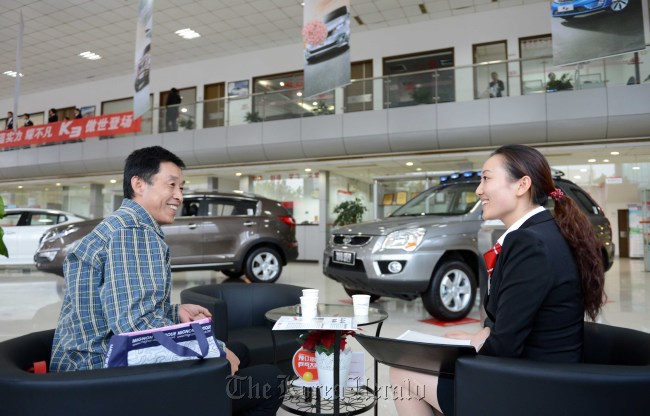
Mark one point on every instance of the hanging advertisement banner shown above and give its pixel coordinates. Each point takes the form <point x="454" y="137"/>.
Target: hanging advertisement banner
<point x="76" y="129"/>
<point x="584" y="30"/>
<point x="326" y="40"/>
<point x="142" y="59"/>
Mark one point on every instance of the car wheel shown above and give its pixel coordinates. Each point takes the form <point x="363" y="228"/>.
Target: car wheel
<point x="351" y="292"/>
<point x="618" y="5"/>
<point x="452" y="291"/>
<point x="263" y="265"/>
<point x="232" y="273"/>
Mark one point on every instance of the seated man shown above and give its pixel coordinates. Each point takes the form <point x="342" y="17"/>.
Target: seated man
<point x="118" y="279"/>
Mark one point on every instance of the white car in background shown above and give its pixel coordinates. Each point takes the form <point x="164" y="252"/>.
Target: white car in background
<point x="23" y="229"/>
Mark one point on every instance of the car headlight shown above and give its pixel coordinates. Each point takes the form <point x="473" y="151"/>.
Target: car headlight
<point x="407" y="240"/>
<point x="54" y="234"/>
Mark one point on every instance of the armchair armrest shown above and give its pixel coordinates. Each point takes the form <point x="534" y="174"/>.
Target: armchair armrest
<point x="490" y="385"/>
<point x="217" y="308"/>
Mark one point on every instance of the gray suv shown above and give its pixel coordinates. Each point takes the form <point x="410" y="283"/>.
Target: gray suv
<point x="235" y="233"/>
<point x="428" y="247"/>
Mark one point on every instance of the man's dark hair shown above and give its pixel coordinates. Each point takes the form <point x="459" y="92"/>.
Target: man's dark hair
<point x="145" y="163"/>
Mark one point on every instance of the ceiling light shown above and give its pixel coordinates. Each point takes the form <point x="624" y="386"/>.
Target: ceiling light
<point x="12" y="74"/>
<point x="90" y="55"/>
<point x="113" y="181"/>
<point x="591" y="160"/>
<point x="307" y="169"/>
<point x="605" y="160"/>
<point x="20" y="187"/>
<point x="418" y="169"/>
<point x="409" y="163"/>
<point x="614" y="153"/>
<point x="314" y="103"/>
<point x="299" y="93"/>
<point x="238" y="174"/>
<point x="577" y="177"/>
<point x="187" y="33"/>
<point x="282" y="83"/>
<point x="636" y="167"/>
<point x="184" y="110"/>
<point x="583" y="170"/>
<point x="58" y="184"/>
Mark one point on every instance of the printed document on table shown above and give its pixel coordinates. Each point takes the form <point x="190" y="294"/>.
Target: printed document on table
<point x="431" y="339"/>
<point x="290" y="323"/>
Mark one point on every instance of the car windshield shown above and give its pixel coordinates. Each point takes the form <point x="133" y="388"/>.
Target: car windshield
<point x="451" y="199"/>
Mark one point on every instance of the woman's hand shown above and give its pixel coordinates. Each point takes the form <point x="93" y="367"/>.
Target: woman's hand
<point x="476" y="340"/>
<point x="188" y="312"/>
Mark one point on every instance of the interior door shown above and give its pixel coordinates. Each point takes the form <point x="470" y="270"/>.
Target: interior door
<point x="623" y="233"/>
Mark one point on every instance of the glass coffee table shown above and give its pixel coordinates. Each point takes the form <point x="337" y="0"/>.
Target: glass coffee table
<point x="306" y="400"/>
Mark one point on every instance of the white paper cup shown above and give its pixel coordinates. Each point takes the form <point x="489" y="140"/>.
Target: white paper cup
<point x="310" y="293"/>
<point x="308" y="307"/>
<point x="361" y="304"/>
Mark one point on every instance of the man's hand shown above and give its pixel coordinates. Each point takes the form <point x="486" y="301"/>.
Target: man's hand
<point x="188" y="312"/>
<point x="234" y="361"/>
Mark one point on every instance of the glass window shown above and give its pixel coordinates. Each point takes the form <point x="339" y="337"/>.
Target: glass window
<point x="44" y="219"/>
<point x="10" y="220"/>
<point x="490" y="79"/>
<point x="279" y="97"/>
<point x="230" y="207"/>
<point x="180" y="115"/>
<point x="297" y="192"/>
<point x="454" y="199"/>
<point x="123" y="105"/>
<point x="536" y="55"/>
<point x="430" y="84"/>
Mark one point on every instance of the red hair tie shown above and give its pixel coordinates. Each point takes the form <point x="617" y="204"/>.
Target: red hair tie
<point x="557" y="194"/>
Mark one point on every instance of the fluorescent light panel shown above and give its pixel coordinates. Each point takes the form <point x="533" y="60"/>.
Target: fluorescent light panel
<point x="90" y="55"/>
<point x="11" y="74"/>
<point x="187" y="33"/>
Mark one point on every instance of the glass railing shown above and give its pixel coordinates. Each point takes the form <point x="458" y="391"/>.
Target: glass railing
<point x="457" y="84"/>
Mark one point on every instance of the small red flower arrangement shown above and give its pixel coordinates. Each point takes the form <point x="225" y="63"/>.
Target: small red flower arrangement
<point x="322" y="341"/>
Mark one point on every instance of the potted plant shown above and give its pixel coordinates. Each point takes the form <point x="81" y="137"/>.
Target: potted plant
<point x="554" y="84"/>
<point x="253" y="117"/>
<point x="186" y="123"/>
<point x="349" y="212"/>
<point x="3" y="248"/>
<point x="422" y="95"/>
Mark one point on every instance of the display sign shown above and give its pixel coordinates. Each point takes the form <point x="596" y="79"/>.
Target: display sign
<point x="79" y="128"/>
<point x="326" y="40"/>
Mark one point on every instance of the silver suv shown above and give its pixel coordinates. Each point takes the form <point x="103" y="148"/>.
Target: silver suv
<point x="235" y="233"/>
<point x="428" y="247"/>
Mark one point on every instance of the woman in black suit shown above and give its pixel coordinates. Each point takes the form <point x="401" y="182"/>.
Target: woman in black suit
<point x="548" y="275"/>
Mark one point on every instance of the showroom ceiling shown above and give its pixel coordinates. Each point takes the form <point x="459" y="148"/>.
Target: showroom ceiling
<point x="57" y="31"/>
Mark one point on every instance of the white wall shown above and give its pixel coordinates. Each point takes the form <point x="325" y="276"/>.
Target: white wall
<point x="460" y="32"/>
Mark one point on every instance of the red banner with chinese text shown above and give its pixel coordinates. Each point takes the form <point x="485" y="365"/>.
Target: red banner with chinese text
<point x="80" y="128"/>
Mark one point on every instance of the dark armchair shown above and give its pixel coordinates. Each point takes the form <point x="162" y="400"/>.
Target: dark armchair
<point x="613" y="380"/>
<point x="157" y="389"/>
<point x="238" y="314"/>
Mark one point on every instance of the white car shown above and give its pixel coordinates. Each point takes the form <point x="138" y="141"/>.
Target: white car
<point x="23" y="229"/>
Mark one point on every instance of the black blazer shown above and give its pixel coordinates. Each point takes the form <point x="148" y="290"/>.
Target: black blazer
<point x="534" y="307"/>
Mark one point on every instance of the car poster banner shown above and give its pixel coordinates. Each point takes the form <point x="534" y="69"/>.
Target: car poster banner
<point x="589" y="29"/>
<point x="71" y="130"/>
<point x="142" y="58"/>
<point x="326" y="40"/>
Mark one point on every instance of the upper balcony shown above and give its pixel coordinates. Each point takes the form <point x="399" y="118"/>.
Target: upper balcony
<point x="427" y="111"/>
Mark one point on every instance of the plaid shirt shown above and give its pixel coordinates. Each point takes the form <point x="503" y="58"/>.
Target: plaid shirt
<point x="118" y="279"/>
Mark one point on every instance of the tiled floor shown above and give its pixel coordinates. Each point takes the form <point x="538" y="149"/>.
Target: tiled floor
<point x="30" y="301"/>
